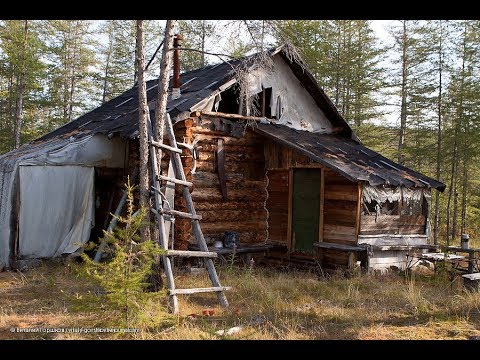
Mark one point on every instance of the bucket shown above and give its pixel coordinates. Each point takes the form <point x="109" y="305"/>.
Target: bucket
<point x="464" y="241"/>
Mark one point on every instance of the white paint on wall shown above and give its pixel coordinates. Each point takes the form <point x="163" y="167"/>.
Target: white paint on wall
<point x="299" y="110"/>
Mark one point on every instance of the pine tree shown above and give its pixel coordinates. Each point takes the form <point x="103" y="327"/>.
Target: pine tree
<point x="21" y="74"/>
<point x="344" y="56"/>
<point x="71" y="72"/>
<point x="196" y="35"/>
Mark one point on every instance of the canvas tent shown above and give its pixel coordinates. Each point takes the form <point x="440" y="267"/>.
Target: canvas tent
<point x="47" y="188"/>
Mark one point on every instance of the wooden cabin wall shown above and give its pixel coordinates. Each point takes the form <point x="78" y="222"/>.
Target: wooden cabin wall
<point x="340" y="208"/>
<point x="392" y="224"/>
<point x="340" y="215"/>
<point x="278" y="161"/>
<point x="244" y="210"/>
<point x="403" y="222"/>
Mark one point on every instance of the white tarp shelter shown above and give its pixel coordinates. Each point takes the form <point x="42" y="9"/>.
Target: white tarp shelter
<point x="47" y="190"/>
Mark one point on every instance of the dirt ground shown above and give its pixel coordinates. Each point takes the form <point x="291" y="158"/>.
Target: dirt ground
<point x="54" y="302"/>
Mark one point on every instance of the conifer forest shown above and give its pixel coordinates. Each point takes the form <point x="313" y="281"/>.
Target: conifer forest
<point x="411" y="92"/>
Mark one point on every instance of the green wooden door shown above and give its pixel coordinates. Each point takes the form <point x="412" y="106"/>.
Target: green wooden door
<point x="305" y="208"/>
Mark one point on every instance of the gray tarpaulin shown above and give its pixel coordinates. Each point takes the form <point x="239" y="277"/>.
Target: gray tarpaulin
<point x="56" y="209"/>
<point x="90" y="150"/>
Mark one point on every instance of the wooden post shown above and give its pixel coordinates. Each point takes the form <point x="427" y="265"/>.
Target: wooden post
<point x="322" y="204"/>
<point x="471" y="259"/>
<point x="290" y="244"/>
<point x="359" y="208"/>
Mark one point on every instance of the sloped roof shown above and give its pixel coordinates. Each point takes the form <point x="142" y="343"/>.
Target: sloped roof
<point x="119" y="116"/>
<point x="347" y="157"/>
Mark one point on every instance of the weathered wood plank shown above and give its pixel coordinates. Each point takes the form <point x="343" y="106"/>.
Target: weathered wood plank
<point x="186" y="253"/>
<point x="337" y="195"/>
<point x="220" y="157"/>
<point x="337" y="229"/>
<point x="229" y="205"/>
<point x="338" y="246"/>
<point x="214" y="195"/>
<point x="238" y="226"/>
<point x="413" y="230"/>
<point x="199" y="290"/>
<point x="359" y="208"/>
<point x="232" y="215"/>
<point x="335" y="237"/>
<point x="322" y="204"/>
<point x="165" y="147"/>
<point x="290" y="206"/>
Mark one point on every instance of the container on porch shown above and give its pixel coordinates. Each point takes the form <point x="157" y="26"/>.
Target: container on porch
<point x="464" y="241"/>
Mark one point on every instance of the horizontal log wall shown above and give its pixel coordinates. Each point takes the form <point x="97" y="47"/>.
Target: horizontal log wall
<point x="340" y="216"/>
<point x="244" y="210"/>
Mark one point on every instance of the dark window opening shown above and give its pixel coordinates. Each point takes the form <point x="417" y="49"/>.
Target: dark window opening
<point x="229" y="103"/>
<point x="261" y="103"/>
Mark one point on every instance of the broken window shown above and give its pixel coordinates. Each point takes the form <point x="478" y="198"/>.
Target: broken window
<point x="378" y="200"/>
<point x="262" y="103"/>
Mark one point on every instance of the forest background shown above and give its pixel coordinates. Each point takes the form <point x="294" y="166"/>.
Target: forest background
<point x="410" y="89"/>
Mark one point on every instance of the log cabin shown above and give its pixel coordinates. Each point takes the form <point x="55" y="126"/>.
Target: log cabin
<point x="270" y="158"/>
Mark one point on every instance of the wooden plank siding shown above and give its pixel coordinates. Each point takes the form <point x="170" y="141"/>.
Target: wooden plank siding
<point x="392" y="224"/>
<point x="340" y="216"/>
<point x="277" y="204"/>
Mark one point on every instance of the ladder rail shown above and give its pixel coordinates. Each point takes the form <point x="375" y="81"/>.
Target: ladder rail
<point x="178" y="167"/>
<point x="167" y="265"/>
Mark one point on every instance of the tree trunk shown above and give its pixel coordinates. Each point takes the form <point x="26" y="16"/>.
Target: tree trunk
<point x="107" y="64"/>
<point x="204" y="34"/>
<point x="73" y="71"/>
<point x="439" y="135"/>
<point x="403" y="109"/>
<point x="166" y="64"/>
<point x="142" y="123"/>
<point x="21" y="89"/>
<point x="163" y="82"/>
<point x="451" y="186"/>
<point x="464" y="191"/>
<point x="455" y="210"/>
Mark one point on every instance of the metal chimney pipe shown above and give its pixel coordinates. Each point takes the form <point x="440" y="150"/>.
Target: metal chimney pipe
<point x="177" y="42"/>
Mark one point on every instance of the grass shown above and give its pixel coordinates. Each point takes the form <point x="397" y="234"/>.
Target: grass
<point x="264" y="303"/>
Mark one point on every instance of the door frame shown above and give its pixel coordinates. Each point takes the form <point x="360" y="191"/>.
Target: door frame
<point x="290" y="240"/>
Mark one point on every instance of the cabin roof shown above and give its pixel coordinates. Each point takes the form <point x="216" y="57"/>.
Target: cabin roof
<point x="347" y="157"/>
<point x="119" y="116"/>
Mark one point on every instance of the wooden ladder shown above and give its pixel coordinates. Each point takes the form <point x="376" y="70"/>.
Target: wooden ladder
<point x="163" y="208"/>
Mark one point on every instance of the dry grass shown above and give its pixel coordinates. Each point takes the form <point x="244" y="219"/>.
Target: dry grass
<point x="267" y="304"/>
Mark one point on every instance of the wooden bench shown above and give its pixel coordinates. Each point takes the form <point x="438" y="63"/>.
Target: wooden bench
<point x="472" y="281"/>
<point x="353" y="250"/>
<point x="473" y="261"/>
<point x="244" y="252"/>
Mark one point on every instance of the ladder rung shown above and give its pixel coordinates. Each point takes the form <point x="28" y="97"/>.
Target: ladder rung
<point x="176" y="181"/>
<point x="166" y="147"/>
<point x="185" y="253"/>
<point x="178" y="213"/>
<point x="198" y="290"/>
<point x="187" y="146"/>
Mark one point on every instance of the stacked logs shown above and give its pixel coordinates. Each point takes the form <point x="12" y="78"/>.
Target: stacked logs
<point x="244" y="209"/>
